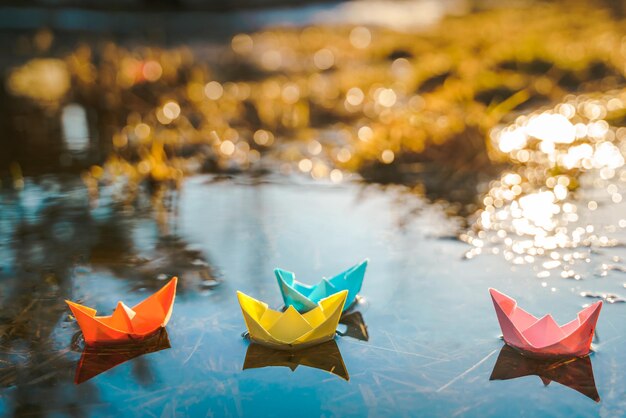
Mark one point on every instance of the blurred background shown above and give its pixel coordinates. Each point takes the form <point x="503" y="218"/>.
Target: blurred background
<point x="458" y="144"/>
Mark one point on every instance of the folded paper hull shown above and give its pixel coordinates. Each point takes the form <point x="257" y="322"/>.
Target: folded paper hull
<point x="291" y="330"/>
<point x="127" y="324"/>
<point x="542" y="337"/>
<point x="325" y="356"/>
<point x="575" y="373"/>
<point x="304" y="297"/>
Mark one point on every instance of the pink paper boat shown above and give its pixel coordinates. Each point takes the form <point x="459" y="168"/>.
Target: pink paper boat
<point x="543" y="337"/>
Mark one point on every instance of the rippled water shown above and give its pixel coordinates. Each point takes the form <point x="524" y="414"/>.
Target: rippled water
<point x="423" y="341"/>
<point x="560" y="208"/>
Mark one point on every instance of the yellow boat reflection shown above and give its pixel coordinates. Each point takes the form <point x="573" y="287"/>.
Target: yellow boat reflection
<point x="324" y="356"/>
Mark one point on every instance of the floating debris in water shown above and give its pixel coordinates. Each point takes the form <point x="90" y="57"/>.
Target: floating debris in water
<point x="607" y="297"/>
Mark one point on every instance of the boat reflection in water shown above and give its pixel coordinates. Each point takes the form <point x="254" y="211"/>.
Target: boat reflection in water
<point x="575" y="373"/>
<point x="324" y="356"/>
<point x="355" y="326"/>
<point x="98" y="359"/>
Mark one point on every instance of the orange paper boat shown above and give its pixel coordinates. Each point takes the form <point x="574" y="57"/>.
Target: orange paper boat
<point x="127" y="324"/>
<point x="543" y="337"/>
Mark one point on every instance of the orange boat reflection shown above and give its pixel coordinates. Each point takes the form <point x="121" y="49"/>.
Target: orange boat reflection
<point x="127" y="324"/>
<point x="575" y="373"/>
<point x="325" y="356"/>
<point x="96" y="360"/>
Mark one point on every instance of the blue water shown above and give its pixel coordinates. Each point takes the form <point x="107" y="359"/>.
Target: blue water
<point x="431" y="340"/>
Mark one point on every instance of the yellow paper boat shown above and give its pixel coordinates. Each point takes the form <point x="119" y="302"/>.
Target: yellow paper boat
<point x="290" y="329"/>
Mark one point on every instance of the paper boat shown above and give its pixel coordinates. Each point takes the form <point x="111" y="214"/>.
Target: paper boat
<point x="127" y="324"/>
<point x="325" y="356"/>
<point x="290" y="329"/>
<point x="96" y="360"/>
<point x="574" y="372"/>
<point x="543" y="337"/>
<point x="304" y="297"/>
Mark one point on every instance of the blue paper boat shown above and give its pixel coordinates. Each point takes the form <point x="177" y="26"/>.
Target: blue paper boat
<point x="304" y="297"/>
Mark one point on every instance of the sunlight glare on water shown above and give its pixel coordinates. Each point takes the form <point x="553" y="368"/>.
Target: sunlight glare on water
<point x="566" y="163"/>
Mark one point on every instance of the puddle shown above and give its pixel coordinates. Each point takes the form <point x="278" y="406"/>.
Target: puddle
<point x="218" y="164"/>
<point x="560" y="208"/>
<point x="424" y="337"/>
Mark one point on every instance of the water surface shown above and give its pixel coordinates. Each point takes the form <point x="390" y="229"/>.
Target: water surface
<point x="427" y="345"/>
